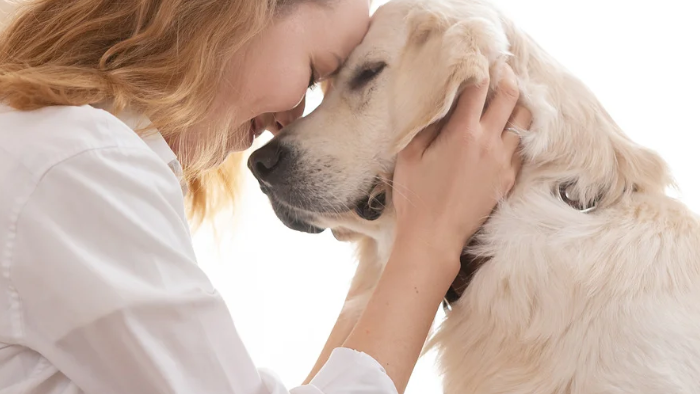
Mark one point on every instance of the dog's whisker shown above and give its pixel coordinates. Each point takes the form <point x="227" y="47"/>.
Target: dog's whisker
<point x="398" y="188"/>
<point x="338" y="201"/>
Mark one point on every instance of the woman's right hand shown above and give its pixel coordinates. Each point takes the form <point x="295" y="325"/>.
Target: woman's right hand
<point x="448" y="181"/>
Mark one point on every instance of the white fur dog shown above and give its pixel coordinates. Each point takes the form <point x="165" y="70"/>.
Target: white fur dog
<point x="590" y="281"/>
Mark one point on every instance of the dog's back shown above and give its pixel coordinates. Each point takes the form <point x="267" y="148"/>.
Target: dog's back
<point x="580" y="303"/>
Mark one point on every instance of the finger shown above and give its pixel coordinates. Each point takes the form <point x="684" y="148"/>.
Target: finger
<point x="516" y="163"/>
<point x="511" y="141"/>
<point x="519" y="122"/>
<point x="503" y="103"/>
<point x="521" y="119"/>
<point x="422" y="141"/>
<point x="515" y="166"/>
<point x="469" y="107"/>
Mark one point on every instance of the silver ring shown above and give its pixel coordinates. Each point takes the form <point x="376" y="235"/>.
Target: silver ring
<point x="515" y="131"/>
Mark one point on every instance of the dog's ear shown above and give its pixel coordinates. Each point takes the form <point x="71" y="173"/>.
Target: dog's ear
<point x="640" y="169"/>
<point x="440" y="57"/>
<point x="605" y="166"/>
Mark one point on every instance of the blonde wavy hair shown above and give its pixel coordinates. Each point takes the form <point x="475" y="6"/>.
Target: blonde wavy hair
<point x="162" y="58"/>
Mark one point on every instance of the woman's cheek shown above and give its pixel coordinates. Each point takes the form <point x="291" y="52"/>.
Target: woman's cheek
<point x="290" y="98"/>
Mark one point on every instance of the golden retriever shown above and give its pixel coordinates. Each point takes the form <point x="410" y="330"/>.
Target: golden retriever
<point x="586" y="279"/>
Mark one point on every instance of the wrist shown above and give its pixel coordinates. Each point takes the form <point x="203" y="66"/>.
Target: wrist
<point x="429" y="254"/>
<point x="430" y="239"/>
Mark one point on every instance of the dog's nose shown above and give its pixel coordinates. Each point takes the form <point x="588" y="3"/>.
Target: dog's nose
<point x="268" y="163"/>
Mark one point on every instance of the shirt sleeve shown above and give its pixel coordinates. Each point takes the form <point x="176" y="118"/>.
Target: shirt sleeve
<point x="109" y="291"/>
<point x="349" y="372"/>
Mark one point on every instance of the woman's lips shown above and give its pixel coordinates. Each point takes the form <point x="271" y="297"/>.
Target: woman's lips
<point x="256" y="127"/>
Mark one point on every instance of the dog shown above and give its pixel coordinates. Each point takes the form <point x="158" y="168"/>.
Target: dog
<point x="585" y="279"/>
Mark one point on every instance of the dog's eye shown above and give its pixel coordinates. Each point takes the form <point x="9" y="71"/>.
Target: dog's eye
<point x="366" y="74"/>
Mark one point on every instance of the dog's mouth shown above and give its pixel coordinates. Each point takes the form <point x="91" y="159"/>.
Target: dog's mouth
<point x="369" y="207"/>
<point x="294" y="219"/>
<point x="372" y="205"/>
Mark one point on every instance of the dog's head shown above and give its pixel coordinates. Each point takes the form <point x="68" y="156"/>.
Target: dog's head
<point x="333" y="167"/>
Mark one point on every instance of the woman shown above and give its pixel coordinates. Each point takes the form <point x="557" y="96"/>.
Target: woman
<point x="108" y="107"/>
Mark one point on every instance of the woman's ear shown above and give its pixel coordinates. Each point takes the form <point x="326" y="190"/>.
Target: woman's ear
<point x="440" y="57"/>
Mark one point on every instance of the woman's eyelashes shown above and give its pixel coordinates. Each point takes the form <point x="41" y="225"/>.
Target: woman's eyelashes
<point x="366" y="74"/>
<point x="313" y="80"/>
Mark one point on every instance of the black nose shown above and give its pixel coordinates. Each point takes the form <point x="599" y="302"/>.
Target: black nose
<point x="268" y="163"/>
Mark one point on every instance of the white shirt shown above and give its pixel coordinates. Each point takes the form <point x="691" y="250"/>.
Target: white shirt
<point x="99" y="288"/>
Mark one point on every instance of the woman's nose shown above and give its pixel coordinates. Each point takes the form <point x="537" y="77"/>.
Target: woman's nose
<point x="283" y="119"/>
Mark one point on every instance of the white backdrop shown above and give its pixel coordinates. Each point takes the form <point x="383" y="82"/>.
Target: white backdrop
<point x="641" y="58"/>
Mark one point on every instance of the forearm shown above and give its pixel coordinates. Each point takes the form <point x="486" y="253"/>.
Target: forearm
<point x="365" y="279"/>
<point x="346" y="322"/>
<point x="398" y="317"/>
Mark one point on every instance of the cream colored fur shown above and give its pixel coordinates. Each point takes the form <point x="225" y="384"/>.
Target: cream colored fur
<point x="570" y="302"/>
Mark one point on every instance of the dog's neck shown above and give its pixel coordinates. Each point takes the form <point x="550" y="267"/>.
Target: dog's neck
<point x="382" y="232"/>
<point x="469" y="264"/>
<point x="383" y="238"/>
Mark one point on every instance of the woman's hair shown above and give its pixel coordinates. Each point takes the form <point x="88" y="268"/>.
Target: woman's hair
<point x="162" y="58"/>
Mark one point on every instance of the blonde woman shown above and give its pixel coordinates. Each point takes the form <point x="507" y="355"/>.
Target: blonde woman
<point x="110" y="109"/>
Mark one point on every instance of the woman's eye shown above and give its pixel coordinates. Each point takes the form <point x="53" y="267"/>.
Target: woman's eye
<point x="366" y="74"/>
<point x="312" y="79"/>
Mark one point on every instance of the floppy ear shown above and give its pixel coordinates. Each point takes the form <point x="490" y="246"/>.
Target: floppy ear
<point x="440" y="57"/>
<point x="639" y="168"/>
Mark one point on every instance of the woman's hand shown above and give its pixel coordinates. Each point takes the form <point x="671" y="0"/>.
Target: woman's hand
<point x="447" y="182"/>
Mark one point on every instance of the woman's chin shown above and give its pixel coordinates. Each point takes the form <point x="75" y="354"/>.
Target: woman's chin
<point x="241" y="144"/>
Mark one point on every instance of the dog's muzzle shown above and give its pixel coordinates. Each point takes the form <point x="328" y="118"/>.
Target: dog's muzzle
<point x="294" y="220"/>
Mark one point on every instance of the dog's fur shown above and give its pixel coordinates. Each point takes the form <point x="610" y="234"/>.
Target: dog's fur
<point x="568" y="302"/>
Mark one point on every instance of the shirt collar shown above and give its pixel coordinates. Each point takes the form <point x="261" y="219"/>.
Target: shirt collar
<point x="152" y="137"/>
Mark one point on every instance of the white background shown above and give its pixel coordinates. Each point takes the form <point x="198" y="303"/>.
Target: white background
<point x="641" y="59"/>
